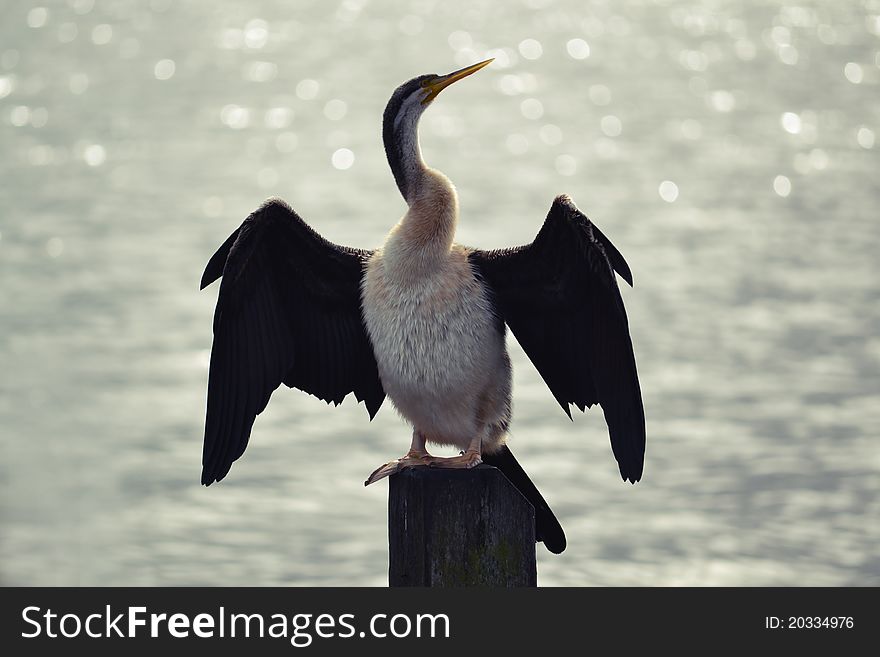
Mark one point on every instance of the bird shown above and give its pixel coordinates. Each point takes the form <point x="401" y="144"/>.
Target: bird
<point x="422" y="320"/>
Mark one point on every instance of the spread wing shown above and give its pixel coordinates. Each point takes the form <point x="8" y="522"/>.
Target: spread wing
<point x="559" y="296"/>
<point x="289" y="311"/>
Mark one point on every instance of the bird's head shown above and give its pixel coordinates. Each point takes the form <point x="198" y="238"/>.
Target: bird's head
<point x="412" y="97"/>
<point x="402" y="115"/>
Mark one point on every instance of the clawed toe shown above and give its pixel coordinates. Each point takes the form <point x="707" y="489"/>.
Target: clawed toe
<point x="466" y="461"/>
<point x="411" y="460"/>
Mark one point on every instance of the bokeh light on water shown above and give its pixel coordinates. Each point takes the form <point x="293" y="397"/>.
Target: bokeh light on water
<point x="728" y="149"/>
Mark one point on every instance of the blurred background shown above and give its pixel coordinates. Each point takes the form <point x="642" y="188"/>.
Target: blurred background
<point x="729" y="149"/>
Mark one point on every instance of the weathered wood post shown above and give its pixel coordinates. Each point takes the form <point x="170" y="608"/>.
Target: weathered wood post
<point x="459" y="528"/>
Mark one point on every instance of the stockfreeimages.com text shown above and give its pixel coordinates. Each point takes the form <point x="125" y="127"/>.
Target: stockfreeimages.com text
<point x="300" y="629"/>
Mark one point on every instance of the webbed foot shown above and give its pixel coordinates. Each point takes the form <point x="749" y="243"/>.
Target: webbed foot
<point x="410" y="460"/>
<point x="466" y="460"/>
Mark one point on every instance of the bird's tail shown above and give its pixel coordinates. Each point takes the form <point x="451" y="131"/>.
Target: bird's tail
<point x="547" y="527"/>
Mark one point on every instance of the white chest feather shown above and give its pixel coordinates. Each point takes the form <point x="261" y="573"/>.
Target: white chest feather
<point x="433" y="332"/>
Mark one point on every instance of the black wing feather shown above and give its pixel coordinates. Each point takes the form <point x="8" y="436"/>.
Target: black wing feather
<point x="289" y="311"/>
<point x="559" y="296"/>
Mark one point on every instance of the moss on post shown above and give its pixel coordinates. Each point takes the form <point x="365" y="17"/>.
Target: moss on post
<point x="459" y="528"/>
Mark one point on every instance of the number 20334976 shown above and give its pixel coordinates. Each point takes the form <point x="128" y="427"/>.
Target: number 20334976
<point x="809" y="622"/>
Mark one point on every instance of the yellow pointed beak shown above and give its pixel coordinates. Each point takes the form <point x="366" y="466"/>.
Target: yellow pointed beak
<point x="438" y="84"/>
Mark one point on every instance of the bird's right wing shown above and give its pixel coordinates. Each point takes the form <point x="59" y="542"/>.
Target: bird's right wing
<point x="289" y="310"/>
<point x="559" y="296"/>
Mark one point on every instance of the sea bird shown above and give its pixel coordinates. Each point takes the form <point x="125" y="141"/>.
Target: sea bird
<point x="422" y="320"/>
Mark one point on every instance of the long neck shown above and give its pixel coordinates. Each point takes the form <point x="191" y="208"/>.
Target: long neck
<point x="427" y="229"/>
<point x="419" y="245"/>
<point x="432" y="217"/>
<point x="400" y="132"/>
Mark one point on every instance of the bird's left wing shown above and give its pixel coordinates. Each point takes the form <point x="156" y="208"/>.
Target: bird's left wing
<point x="559" y="296"/>
<point x="288" y="311"/>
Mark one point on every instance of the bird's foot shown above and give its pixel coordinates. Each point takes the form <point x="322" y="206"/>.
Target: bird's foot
<point x="412" y="459"/>
<point x="465" y="461"/>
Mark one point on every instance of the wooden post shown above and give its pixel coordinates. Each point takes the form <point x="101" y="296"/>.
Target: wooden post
<point x="459" y="528"/>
